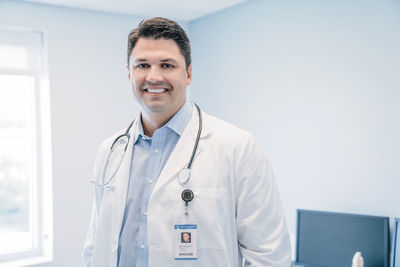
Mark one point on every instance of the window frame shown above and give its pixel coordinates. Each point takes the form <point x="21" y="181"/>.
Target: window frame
<point x="41" y="200"/>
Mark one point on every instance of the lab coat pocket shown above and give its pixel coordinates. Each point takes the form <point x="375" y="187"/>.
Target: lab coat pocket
<point x="209" y="209"/>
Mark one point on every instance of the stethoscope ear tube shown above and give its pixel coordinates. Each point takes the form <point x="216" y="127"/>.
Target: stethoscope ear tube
<point x="104" y="183"/>
<point x="185" y="173"/>
<point x="197" y="138"/>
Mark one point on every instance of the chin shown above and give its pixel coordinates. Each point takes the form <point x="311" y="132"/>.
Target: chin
<point x="156" y="108"/>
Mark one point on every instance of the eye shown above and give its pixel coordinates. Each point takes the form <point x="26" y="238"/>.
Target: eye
<point x="142" y="66"/>
<point x="167" y="66"/>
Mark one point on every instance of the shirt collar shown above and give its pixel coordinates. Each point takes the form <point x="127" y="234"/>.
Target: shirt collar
<point x="177" y="123"/>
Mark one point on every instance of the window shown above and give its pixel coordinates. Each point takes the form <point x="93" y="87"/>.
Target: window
<point x="25" y="152"/>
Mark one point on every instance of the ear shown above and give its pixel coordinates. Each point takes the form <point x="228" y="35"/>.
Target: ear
<point x="129" y="73"/>
<point x="189" y="74"/>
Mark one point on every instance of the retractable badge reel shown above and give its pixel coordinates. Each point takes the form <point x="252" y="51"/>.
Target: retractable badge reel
<point x="187" y="196"/>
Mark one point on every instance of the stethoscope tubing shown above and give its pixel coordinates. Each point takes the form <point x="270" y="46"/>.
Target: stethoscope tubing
<point x="127" y="134"/>
<point x="197" y="137"/>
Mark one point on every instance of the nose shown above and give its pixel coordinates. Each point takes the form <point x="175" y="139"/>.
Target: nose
<point x="154" y="75"/>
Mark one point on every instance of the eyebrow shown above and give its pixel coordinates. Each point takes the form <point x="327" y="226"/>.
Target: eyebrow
<point x="169" y="60"/>
<point x="162" y="60"/>
<point x="140" y="60"/>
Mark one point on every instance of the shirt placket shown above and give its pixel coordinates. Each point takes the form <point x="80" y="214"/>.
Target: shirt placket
<point x="151" y="176"/>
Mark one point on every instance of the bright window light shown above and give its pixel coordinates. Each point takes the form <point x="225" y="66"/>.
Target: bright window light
<point x="16" y="158"/>
<point x="25" y="154"/>
<point x="13" y="57"/>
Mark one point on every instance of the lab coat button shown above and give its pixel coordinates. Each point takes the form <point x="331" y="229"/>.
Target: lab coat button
<point x="156" y="150"/>
<point x="114" y="248"/>
<point x="145" y="213"/>
<point x="142" y="246"/>
<point x="150" y="181"/>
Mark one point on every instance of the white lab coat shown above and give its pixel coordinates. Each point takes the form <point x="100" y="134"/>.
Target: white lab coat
<point x="236" y="203"/>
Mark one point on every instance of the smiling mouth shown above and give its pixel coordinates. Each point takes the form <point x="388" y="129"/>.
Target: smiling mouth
<point x="154" y="90"/>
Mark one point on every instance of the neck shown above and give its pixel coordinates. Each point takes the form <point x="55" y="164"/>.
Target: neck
<point x="153" y="121"/>
<point x="151" y="124"/>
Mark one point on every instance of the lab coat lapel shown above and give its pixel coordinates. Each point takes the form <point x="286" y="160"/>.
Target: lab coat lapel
<point x="180" y="156"/>
<point x="120" y="187"/>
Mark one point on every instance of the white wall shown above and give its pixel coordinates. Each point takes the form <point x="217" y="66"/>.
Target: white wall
<point x="315" y="81"/>
<point x="318" y="84"/>
<point x="90" y="100"/>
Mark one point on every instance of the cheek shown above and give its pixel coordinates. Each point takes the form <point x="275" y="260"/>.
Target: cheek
<point x="135" y="82"/>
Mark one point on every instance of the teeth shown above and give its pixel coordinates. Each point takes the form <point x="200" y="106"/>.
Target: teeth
<point x="150" y="90"/>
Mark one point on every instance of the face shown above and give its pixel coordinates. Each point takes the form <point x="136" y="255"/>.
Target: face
<point x="158" y="76"/>
<point x="186" y="237"/>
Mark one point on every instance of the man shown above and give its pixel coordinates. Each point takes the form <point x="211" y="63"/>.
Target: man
<point x="231" y="207"/>
<point x="185" y="237"/>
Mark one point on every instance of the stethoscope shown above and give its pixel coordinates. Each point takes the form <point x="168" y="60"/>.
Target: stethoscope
<point x="183" y="176"/>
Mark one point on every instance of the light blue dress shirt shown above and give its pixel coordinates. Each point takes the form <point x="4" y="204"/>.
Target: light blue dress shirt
<point x="148" y="159"/>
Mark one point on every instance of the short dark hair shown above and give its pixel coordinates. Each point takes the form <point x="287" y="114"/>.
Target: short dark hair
<point x="161" y="28"/>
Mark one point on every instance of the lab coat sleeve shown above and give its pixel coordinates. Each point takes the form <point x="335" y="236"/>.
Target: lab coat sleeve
<point x="87" y="252"/>
<point x="262" y="232"/>
<point x="89" y="243"/>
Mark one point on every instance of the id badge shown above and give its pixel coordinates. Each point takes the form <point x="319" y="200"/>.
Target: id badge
<point x="185" y="242"/>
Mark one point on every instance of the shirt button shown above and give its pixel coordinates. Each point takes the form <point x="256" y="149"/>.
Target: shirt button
<point x="145" y="213"/>
<point x="143" y="138"/>
<point x="150" y="181"/>
<point x="142" y="245"/>
<point x="156" y="150"/>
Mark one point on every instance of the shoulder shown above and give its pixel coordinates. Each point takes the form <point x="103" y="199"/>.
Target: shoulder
<point x="225" y="131"/>
<point x="106" y="144"/>
<point x="104" y="148"/>
<point x="235" y="144"/>
<point x="230" y="140"/>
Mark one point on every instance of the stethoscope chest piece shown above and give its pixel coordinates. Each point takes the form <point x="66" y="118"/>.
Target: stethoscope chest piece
<point x="184" y="176"/>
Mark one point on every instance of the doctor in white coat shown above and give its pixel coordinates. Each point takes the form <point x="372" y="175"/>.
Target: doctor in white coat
<point x="235" y="216"/>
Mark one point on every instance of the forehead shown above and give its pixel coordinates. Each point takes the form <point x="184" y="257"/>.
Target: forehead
<point x="156" y="49"/>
